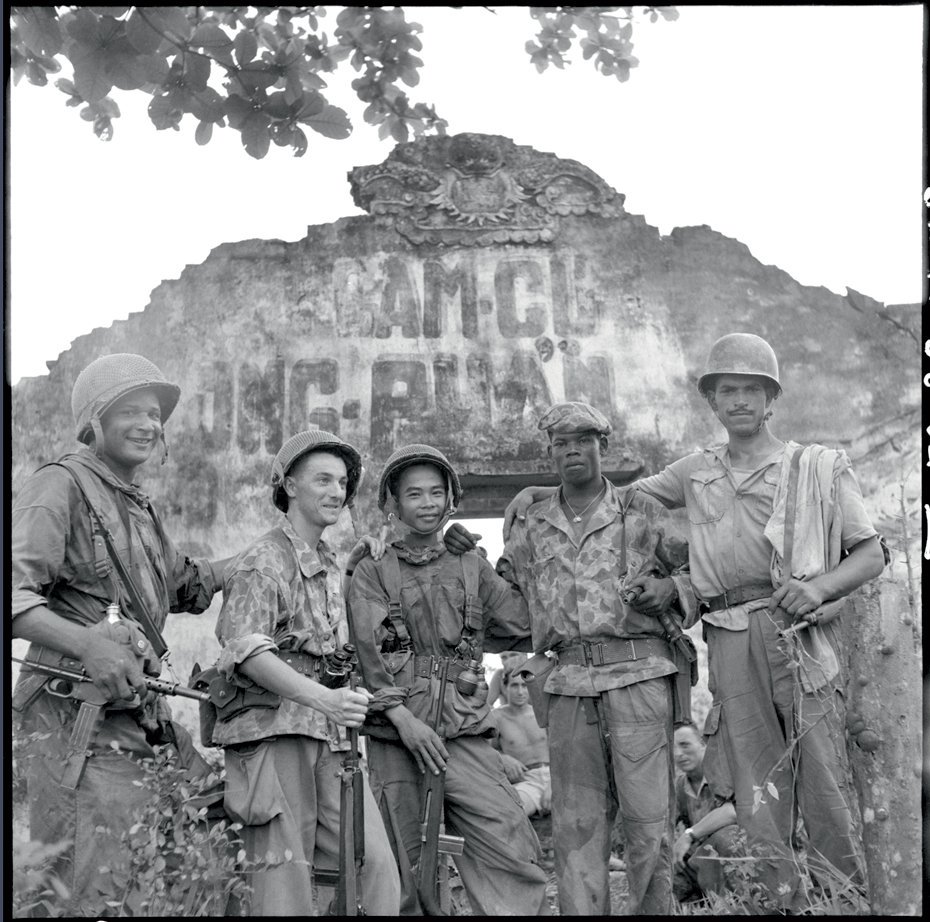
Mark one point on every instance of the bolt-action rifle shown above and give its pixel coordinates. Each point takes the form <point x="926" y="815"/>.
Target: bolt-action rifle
<point x="351" y="818"/>
<point x="433" y="840"/>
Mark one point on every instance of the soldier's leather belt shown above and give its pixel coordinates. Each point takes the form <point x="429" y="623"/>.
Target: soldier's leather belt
<point x="737" y="596"/>
<point x="533" y="765"/>
<point x="305" y="663"/>
<point x="427" y="665"/>
<point x="608" y="652"/>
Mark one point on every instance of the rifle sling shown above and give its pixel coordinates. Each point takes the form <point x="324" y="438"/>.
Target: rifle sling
<point x="791" y="506"/>
<point x="138" y="609"/>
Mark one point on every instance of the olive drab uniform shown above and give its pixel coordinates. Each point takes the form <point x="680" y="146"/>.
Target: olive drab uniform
<point x="407" y="610"/>
<point x="615" y="665"/>
<point x="770" y="696"/>
<point x="75" y="790"/>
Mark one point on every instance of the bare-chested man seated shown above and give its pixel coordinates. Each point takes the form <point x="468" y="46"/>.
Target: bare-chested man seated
<point x="523" y="744"/>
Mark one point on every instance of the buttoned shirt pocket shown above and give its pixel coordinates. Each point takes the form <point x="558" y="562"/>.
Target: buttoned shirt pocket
<point x="707" y="502"/>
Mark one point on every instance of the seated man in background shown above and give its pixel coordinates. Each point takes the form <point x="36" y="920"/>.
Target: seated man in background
<point x="710" y="823"/>
<point x="523" y="744"/>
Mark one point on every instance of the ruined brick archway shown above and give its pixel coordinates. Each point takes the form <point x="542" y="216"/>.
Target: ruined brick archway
<point x="486" y="281"/>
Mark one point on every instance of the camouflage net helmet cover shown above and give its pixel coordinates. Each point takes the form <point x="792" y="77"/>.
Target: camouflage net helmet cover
<point x="110" y="377"/>
<point x="418" y="454"/>
<point x="303" y="443"/>
<point x="740" y="354"/>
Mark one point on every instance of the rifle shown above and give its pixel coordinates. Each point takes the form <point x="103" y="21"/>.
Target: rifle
<point x="683" y="655"/>
<point x="68" y="677"/>
<point x="348" y="900"/>
<point x="433" y="839"/>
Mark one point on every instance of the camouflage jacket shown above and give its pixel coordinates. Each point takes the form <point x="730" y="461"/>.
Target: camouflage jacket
<point x="433" y="600"/>
<point x="573" y="584"/>
<point x="278" y="586"/>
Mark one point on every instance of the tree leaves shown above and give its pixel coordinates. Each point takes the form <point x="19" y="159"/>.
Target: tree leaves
<point x="332" y="122"/>
<point x="38" y="28"/>
<point x="246" y="47"/>
<point x="257" y="70"/>
<point x="606" y="41"/>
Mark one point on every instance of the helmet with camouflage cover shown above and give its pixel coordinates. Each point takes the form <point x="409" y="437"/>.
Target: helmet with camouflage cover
<point x="107" y="379"/>
<point x="303" y="443"/>
<point x="740" y="354"/>
<point x="419" y="454"/>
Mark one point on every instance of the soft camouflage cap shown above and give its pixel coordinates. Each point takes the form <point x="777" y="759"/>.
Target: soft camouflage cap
<point x="574" y="416"/>
<point x="303" y="443"/>
<point x="740" y="354"/>
<point x="418" y="454"/>
<point x="107" y="379"/>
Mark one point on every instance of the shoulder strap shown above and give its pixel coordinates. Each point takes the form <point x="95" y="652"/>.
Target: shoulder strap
<point x="791" y="505"/>
<point x="137" y="609"/>
<point x="390" y="574"/>
<point x="470" y="573"/>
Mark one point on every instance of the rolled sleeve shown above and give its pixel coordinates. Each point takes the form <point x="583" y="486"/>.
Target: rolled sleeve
<point x="194" y="583"/>
<point x="687" y="600"/>
<point x="246" y="624"/>
<point x="857" y="526"/>
<point x="508" y="618"/>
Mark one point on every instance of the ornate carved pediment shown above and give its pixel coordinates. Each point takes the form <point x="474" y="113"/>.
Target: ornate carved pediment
<point x="479" y="190"/>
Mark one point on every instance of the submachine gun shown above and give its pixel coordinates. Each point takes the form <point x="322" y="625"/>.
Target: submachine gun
<point x="433" y="838"/>
<point x="67" y="675"/>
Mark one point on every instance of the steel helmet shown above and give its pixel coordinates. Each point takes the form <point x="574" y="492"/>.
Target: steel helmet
<point x="740" y="354"/>
<point x="303" y="443"/>
<point x="419" y="454"/>
<point x="107" y="379"/>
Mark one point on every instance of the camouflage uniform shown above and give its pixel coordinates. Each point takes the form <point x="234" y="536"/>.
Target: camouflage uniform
<point x="52" y="551"/>
<point x="283" y="763"/>
<point x="759" y="706"/>
<point x="500" y="864"/>
<point x="573" y="584"/>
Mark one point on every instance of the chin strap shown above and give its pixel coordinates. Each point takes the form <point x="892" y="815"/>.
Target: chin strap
<point x="403" y="529"/>
<point x="98" y="439"/>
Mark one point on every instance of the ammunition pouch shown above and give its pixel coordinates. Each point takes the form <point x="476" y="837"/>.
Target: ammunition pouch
<point x="539" y="667"/>
<point x="682" y="682"/>
<point x="229" y="699"/>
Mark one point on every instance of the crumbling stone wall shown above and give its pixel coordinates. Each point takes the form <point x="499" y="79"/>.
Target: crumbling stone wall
<point x="487" y="281"/>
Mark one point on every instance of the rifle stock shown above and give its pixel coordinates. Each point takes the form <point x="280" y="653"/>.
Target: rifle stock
<point x="433" y="841"/>
<point x="351" y="827"/>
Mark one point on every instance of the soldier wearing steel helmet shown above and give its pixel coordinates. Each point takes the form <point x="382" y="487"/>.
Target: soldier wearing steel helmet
<point x="409" y="611"/>
<point x="777" y="721"/>
<point x="66" y="598"/>
<point x="283" y="615"/>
